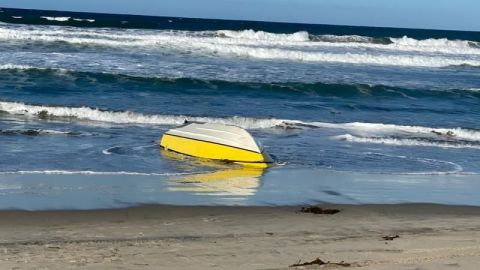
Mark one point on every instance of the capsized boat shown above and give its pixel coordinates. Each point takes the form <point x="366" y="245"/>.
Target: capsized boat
<point x="216" y="141"/>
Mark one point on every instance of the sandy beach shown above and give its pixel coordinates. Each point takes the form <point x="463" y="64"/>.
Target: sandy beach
<point x="178" y="237"/>
<point x="253" y="134"/>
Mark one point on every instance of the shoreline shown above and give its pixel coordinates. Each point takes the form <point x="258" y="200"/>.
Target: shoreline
<point x="282" y="186"/>
<point x="228" y="237"/>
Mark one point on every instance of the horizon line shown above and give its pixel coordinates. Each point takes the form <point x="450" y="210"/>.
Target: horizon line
<point x="244" y="20"/>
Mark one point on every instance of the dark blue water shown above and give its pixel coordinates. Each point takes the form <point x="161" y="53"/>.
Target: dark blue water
<point x="85" y="93"/>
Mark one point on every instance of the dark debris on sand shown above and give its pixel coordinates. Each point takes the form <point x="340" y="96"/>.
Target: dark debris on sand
<point x="318" y="261"/>
<point x="319" y="211"/>
<point x="390" y="238"/>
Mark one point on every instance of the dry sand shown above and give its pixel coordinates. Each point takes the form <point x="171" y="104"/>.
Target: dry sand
<point x="170" y="237"/>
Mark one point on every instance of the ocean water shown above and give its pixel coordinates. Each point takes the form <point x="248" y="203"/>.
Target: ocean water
<point x="85" y="98"/>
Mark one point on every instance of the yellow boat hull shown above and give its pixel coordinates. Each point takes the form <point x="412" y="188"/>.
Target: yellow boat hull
<point x="209" y="150"/>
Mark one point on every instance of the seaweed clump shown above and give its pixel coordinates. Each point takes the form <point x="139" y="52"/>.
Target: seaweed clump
<point x="44" y="115"/>
<point x="318" y="261"/>
<point x="319" y="211"/>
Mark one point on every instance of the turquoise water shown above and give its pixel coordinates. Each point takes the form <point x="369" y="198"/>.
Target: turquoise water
<point x="87" y="96"/>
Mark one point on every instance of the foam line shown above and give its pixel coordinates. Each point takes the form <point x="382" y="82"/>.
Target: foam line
<point x="367" y="129"/>
<point x="84" y="20"/>
<point x="405" y="142"/>
<point x="128" y="117"/>
<point x="58" y="19"/>
<point x="262" y="45"/>
<point x="16" y="67"/>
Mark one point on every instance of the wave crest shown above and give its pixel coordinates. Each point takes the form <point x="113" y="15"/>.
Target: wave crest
<point x="350" y="39"/>
<point x="407" y="141"/>
<point x="18" y="67"/>
<point x="127" y="117"/>
<point x="83" y="20"/>
<point x="58" y="19"/>
<point x="302" y="36"/>
<point x="263" y="45"/>
<point x="438" y="45"/>
<point x="362" y="132"/>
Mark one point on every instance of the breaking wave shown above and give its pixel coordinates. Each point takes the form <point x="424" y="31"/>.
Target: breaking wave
<point x="127" y="117"/>
<point x="385" y="130"/>
<point x="362" y="132"/>
<point x="438" y="45"/>
<point x="407" y="142"/>
<point x="299" y="46"/>
<point x="302" y="36"/>
<point x="58" y="19"/>
<point x="350" y="39"/>
<point x="18" y="67"/>
<point x="83" y="20"/>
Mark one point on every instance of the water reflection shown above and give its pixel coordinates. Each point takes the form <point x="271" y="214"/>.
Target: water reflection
<point x="223" y="179"/>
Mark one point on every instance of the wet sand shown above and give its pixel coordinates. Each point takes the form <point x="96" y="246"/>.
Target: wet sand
<point x="179" y="237"/>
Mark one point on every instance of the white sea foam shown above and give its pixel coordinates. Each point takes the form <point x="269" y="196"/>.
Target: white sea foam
<point x="404" y="44"/>
<point x="13" y="66"/>
<point x="456" y="168"/>
<point x="378" y="129"/>
<point x="436" y="45"/>
<point x="261" y="35"/>
<point x="17" y="17"/>
<point x="357" y="128"/>
<point x="107" y="151"/>
<point x="126" y="117"/>
<point x="29" y="67"/>
<point x="405" y="142"/>
<point x="58" y="19"/>
<point x="262" y="45"/>
<point x="343" y="39"/>
<point x="346" y="58"/>
<point x="83" y="20"/>
<point x="53" y="132"/>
